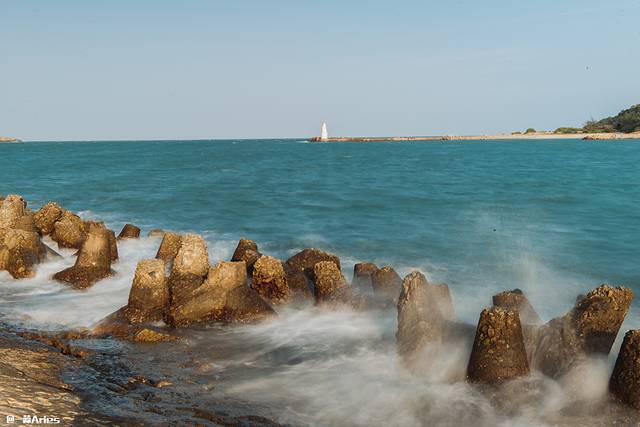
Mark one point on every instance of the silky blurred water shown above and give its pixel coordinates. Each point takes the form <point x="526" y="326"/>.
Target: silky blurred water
<point x="554" y="218"/>
<point x="480" y="215"/>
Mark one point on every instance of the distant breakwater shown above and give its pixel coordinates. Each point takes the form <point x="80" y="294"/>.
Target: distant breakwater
<point x="378" y="139"/>
<point x="533" y="135"/>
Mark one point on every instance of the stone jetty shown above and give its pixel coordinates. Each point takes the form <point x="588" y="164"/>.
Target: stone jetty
<point x="182" y="287"/>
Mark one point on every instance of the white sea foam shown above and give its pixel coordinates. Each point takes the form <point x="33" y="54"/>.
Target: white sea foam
<point x="44" y="303"/>
<point x="322" y="367"/>
<point x="41" y="302"/>
<point x="341" y="368"/>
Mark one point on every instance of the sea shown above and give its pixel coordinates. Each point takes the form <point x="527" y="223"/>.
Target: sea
<point x="554" y="218"/>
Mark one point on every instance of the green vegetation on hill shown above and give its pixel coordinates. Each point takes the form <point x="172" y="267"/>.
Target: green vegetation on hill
<point x="569" y="130"/>
<point x="626" y="121"/>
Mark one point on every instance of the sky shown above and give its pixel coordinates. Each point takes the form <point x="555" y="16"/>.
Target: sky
<point x="87" y="70"/>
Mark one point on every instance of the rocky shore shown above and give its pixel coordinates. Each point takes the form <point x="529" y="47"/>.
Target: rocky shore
<point x="181" y="289"/>
<point x="52" y="379"/>
<point x="31" y="382"/>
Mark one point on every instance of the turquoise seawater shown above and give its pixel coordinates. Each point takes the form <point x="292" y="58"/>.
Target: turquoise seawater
<point x="479" y="215"/>
<point x="553" y="218"/>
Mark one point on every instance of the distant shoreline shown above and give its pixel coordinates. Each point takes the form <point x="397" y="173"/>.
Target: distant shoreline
<point x="503" y="136"/>
<point x="8" y="140"/>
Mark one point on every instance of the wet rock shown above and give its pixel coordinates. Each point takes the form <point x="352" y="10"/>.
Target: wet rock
<point x="96" y="250"/>
<point x="247" y="251"/>
<point x="117" y="325"/>
<point x="113" y="243"/>
<point x="149" y="295"/>
<point x="93" y="263"/>
<point x="150" y="336"/>
<point x="386" y="284"/>
<point x="243" y="246"/>
<point x="625" y="379"/>
<point x="12" y="208"/>
<point x="224" y="296"/>
<point x="420" y="322"/>
<point x="20" y="251"/>
<point x="306" y="259"/>
<point x="299" y="269"/>
<point x="515" y="300"/>
<point x="498" y="352"/>
<point x="72" y="334"/>
<point x="169" y="247"/>
<point x="192" y="257"/>
<point x="66" y="349"/>
<point x="244" y="305"/>
<point x="156" y="232"/>
<point x="590" y="327"/>
<point x="31" y="380"/>
<point x="442" y="297"/>
<point x="129" y="231"/>
<point x="270" y="280"/>
<point x="299" y="285"/>
<point x="46" y="217"/>
<point x="190" y="267"/>
<point x="222" y="418"/>
<point x="69" y="231"/>
<point x="599" y="315"/>
<point x="26" y="223"/>
<point x="330" y="286"/>
<point x="362" y="273"/>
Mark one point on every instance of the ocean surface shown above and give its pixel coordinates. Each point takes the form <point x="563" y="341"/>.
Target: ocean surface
<point x="553" y="218"/>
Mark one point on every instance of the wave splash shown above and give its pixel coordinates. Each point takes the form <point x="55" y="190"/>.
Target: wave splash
<point x="319" y="367"/>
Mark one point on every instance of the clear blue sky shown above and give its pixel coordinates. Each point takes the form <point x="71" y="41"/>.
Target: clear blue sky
<point x="243" y="69"/>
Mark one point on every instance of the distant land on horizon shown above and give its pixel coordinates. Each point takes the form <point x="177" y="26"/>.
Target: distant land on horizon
<point x="9" y="139"/>
<point x="624" y="125"/>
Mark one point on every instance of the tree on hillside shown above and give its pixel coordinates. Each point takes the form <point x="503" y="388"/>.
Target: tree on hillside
<point x="626" y="121"/>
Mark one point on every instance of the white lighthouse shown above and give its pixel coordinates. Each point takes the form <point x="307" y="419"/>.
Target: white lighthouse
<point x="324" y="135"/>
